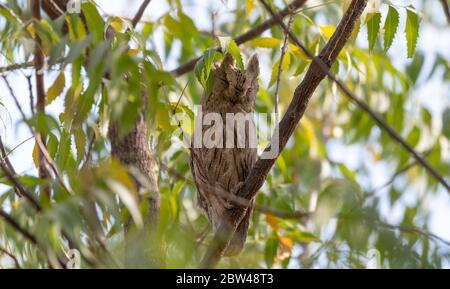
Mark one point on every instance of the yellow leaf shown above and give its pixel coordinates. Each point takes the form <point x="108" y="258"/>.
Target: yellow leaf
<point x="133" y="52"/>
<point x="56" y="89"/>
<point x="266" y="42"/>
<point x="298" y="52"/>
<point x="249" y="4"/>
<point x="117" y="24"/>
<point x="309" y="131"/>
<point x="36" y="155"/>
<point x="328" y="30"/>
<point x="285" y="249"/>
<point x="31" y="30"/>
<point x="120" y="174"/>
<point x="276" y="67"/>
<point x="287" y="243"/>
<point x="272" y="220"/>
<point x="376" y="155"/>
<point x="15" y="204"/>
<point x="80" y="30"/>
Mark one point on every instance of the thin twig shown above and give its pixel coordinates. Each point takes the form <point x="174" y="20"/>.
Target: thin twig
<point x="13" y="67"/>
<point x="446" y="9"/>
<point x="13" y="95"/>
<point x="140" y="13"/>
<point x="416" y="230"/>
<point x="31" y="95"/>
<point x="90" y="150"/>
<point x="30" y="237"/>
<point x="10" y="255"/>
<point x="48" y="160"/>
<point x="280" y="65"/>
<point x="19" y="145"/>
<point x="396" y="175"/>
<point x="10" y="174"/>
<point x="18" y="227"/>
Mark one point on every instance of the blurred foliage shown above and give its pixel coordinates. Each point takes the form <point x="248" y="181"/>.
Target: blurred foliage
<point x="350" y="216"/>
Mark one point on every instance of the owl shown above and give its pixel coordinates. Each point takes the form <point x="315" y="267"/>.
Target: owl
<point x="224" y="167"/>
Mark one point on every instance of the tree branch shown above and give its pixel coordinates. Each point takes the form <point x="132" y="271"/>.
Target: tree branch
<point x="323" y="67"/>
<point x="280" y="65"/>
<point x="415" y="230"/>
<point x="11" y="176"/>
<point x="13" y="95"/>
<point x="239" y="201"/>
<point x="10" y="255"/>
<point x="40" y="92"/>
<point x="140" y="13"/>
<point x="398" y="173"/>
<point x="30" y="237"/>
<point x="13" y="67"/>
<point x="295" y="111"/>
<point x="446" y="9"/>
<point x="8" y="219"/>
<point x="247" y="36"/>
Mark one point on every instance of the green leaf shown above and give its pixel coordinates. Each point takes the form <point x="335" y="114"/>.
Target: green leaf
<point x="276" y="66"/>
<point x="427" y="117"/>
<point x="413" y="137"/>
<point x="234" y="50"/>
<point x="373" y="28"/>
<point x="56" y="89"/>
<point x="203" y="68"/>
<point x="80" y="144"/>
<point x="446" y="123"/>
<point x="9" y="15"/>
<point x="270" y="250"/>
<point x="63" y="150"/>
<point x="303" y="237"/>
<point x="390" y="27"/>
<point x="94" y="21"/>
<point x="266" y="42"/>
<point x="412" y="31"/>
<point x="415" y="68"/>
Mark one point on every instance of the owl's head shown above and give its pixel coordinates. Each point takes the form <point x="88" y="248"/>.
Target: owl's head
<point x="235" y="85"/>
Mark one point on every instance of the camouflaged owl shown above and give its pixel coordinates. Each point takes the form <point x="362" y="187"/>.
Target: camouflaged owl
<point x="225" y="168"/>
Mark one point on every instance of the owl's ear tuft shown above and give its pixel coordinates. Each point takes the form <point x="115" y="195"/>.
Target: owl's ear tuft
<point x="228" y="61"/>
<point x="253" y="67"/>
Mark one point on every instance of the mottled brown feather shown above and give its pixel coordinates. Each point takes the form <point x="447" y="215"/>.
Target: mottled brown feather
<point x="226" y="168"/>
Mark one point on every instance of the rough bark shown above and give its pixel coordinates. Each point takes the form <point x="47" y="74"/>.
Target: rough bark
<point x="133" y="151"/>
<point x="291" y="119"/>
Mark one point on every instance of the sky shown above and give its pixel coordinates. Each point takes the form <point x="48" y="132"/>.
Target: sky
<point x="433" y="94"/>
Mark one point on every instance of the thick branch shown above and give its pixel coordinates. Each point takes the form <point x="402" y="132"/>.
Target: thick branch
<point x="40" y="91"/>
<point x="322" y="65"/>
<point x="287" y="126"/>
